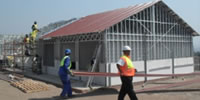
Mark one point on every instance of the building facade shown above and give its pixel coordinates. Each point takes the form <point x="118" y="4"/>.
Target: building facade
<point x="161" y="42"/>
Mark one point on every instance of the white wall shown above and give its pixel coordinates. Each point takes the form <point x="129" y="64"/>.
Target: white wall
<point x="100" y="80"/>
<point x="159" y="67"/>
<point x="114" y="80"/>
<point x="182" y="65"/>
<point x="139" y="65"/>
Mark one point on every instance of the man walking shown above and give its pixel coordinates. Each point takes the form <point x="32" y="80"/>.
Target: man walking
<point x="127" y="71"/>
<point x="64" y="72"/>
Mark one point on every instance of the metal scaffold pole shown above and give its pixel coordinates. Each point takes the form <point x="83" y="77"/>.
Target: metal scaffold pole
<point x="145" y="55"/>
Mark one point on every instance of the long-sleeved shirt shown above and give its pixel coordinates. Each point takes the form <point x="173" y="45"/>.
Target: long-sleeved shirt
<point x="65" y="68"/>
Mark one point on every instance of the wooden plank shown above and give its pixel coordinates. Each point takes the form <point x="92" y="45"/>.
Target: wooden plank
<point x="29" y="86"/>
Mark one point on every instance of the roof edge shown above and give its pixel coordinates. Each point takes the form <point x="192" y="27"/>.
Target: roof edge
<point x="194" y="32"/>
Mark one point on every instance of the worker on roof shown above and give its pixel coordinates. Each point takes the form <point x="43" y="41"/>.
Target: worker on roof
<point x="34" y="31"/>
<point x="64" y="73"/>
<point x="34" y="26"/>
<point x="126" y="71"/>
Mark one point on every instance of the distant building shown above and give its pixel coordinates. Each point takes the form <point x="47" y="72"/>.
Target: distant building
<point x="161" y="42"/>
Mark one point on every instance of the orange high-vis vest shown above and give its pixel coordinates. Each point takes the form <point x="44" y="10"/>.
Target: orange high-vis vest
<point x="128" y="68"/>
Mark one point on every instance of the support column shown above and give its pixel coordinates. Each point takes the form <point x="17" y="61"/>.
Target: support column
<point x="42" y="53"/>
<point x="77" y="53"/>
<point x="173" y="68"/>
<point x="57" y="53"/>
<point x="145" y="54"/>
<point x="106" y="58"/>
<point x="153" y="31"/>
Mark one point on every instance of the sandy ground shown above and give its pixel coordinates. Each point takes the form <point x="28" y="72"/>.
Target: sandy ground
<point x="186" y="92"/>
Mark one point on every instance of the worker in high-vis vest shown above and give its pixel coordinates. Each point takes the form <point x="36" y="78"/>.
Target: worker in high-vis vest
<point x="64" y="73"/>
<point x="34" y="32"/>
<point x="126" y="71"/>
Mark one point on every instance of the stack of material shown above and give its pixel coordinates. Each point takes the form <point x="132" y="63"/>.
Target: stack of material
<point x="29" y="86"/>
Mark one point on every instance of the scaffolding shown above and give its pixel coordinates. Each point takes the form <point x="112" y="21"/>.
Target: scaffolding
<point x="8" y="38"/>
<point x="13" y="52"/>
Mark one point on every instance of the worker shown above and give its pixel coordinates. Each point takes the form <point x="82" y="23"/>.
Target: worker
<point x="64" y="73"/>
<point x="34" y="26"/>
<point x="26" y="42"/>
<point x="10" y="61"/>
<point x="34" y="31"/>
<point x="36" y="65"/>
<point x="26" y="39"/>
<point x="126" y="71"/>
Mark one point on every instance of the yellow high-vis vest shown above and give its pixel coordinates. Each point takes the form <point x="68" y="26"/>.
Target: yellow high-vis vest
<point x="128" y="69"/>
<point x="63" y="61"/>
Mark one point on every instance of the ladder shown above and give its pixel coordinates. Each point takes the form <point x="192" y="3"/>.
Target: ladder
<point x="96" y="58"/>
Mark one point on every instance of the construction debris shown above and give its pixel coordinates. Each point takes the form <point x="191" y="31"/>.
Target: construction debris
<point x="15" y="77"/>
<point x="30" y="86"/>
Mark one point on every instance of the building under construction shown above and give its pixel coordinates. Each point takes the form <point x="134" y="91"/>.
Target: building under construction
<point x="161" y="42"/>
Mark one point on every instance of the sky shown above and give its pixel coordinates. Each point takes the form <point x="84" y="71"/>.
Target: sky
<point x="17" y="16"/>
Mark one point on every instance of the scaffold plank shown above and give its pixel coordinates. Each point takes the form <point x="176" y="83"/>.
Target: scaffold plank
<point x="30" y="86"/>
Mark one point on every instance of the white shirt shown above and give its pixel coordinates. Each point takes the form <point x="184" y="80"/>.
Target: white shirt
<point x="121" y="62"/>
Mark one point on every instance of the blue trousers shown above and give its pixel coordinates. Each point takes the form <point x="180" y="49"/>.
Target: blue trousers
<point x="67" y="89"/>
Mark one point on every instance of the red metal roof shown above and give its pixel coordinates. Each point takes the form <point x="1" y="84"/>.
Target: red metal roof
<point x="99" y="22"/>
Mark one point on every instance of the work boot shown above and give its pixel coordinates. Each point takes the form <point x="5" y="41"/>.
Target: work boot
<point x="63" y="97"/>
<point x="71" y="96"/>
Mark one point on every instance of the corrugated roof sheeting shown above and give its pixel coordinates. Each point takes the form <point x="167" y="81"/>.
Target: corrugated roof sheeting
<point x="101" y="21"/>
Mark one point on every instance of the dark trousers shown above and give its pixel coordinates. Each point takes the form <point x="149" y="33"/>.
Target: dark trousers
<point x="127" y="88"/>
<point x="67" y="89"/>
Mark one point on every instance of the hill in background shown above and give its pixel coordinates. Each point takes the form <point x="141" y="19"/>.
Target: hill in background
<point x="53" y="26"/>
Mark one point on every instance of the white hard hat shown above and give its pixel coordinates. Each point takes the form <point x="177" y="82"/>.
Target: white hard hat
<point x="126" y="48"/>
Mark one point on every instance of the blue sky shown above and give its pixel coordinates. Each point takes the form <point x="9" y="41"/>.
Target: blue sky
<point x="17" y="16"/>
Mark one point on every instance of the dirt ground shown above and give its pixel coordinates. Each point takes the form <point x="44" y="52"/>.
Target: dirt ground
<point x="186" y="92"/>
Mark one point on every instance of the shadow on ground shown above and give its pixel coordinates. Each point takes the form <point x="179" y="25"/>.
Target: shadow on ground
<point x="167" y="91"/>
<point x="97" y="92"/>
